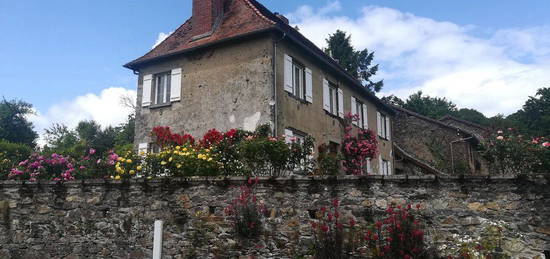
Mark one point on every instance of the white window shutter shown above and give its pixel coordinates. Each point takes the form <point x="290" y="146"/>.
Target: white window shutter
<point x="369" y="166"/>
<point x="340" y="103"/>
<point x="365" y="117"/>
<point x="288" y="74"/>
<point x="326" y="96"/>
<point x="309" y="86"/>
<point x="175" y="85"/>
<point x="354" y="109"/>
<point x="288" y="134"/>
<point x="146" y="90"/>
<point x="389" y="168"/>
<point x="380" y="165"/>
<point x="388" y="129"/>
<point x="143" y="148"/>
<point x="379" y="124"/>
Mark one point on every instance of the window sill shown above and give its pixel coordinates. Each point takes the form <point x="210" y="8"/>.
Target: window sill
<point x="335" y="116"/>
<point x="303" y="101"/>
<point x="161" y="105"/>
<point x="382" y="138"/>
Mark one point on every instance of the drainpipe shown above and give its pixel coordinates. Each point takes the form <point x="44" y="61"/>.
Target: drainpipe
<point x="274" y="88"/>
<point x="452" y="156"/>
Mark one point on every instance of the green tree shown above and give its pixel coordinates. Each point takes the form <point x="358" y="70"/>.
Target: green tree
<point x="14" y="125"/>
<point x="434" y="107"/>
<point x="393" y="100"/>
<point x="357" y="63"/>
<point x="534" y="117"/>
<point x="472" y="115"/>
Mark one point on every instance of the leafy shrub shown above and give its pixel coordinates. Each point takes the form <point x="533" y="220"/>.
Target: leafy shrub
<point x="264" y="155"/>
<point x="301" y="156"/>
<point x="245" y="212"/>
<point x="487" y="245"/>
<point x="227" y="153"/>
<point x="14" y="151"/>
<point x="331" y="239"/>
<point x="510" y="153"/>
<point x="327" y="163"/>
<point x="56" y="167"/>
<point x="399" y="235"/>
<point x="181" y="161"/>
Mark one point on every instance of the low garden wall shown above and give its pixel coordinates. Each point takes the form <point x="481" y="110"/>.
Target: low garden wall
<point x="115" y="219"/>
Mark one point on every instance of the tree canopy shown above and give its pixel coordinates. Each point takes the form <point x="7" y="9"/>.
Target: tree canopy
<point x="14" y="125"/>
<point x="534" y="117"/>
<point x="357" y="63"/>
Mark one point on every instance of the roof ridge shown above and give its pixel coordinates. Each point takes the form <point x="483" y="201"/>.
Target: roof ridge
<point x="447" y="116"/>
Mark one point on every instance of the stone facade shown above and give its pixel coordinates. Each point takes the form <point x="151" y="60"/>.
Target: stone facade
<point x="481" y="132"/>
<point x="223" y="88"/>
<point x="449" y="149"/>
<point x="99" y="219"/>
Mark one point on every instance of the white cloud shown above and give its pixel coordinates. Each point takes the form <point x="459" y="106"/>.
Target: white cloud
<point x="160" y="38"/>
<point x="106" y="109"/>
<point x="494" y="74"/>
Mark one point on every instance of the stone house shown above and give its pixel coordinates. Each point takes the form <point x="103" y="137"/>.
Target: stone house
<point x="235" y="64"/>
<point x="426" y="145"/>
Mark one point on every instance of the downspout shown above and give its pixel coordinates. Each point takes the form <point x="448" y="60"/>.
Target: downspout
<point x="452" y="156"/>
<point x="274" y="88"/>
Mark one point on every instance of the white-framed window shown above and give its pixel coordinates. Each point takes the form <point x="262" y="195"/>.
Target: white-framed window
<point x="161" y="86"/>
<point x="292" y="135"/>
<point x="333" y="93"/>
<point x="383" y="126"/>
<point x="385" y="167"/>
<point x="298" y="79"/>
<point x="359" y="108"/>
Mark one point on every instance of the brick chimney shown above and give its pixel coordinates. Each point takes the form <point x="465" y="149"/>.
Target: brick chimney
<point x="206" y="15"/>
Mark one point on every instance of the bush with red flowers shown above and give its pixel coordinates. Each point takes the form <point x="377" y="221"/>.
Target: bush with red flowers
<point x="356" y="149"/>
<point x="334" y="237"/>
<point x="398" y="235"/>
<point x="245" y="212"/>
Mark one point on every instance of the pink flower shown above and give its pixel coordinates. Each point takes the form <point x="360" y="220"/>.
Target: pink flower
<point x="500" y="138"/>
<point x="546" y="144"/>
<point x="499" y="132"/>
<point x="92" y="151"/>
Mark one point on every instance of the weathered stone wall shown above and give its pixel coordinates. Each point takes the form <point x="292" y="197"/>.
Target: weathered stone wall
<point x="225" y="87"/>
<point x="430" y="141"/>
<point x="115" y="220"/>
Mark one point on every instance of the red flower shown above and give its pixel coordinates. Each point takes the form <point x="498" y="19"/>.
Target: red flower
<point x="324" y="228"/>
<point x="335" y="203"/>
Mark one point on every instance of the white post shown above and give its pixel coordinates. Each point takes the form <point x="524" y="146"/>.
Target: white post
<point x="157" y="240"/>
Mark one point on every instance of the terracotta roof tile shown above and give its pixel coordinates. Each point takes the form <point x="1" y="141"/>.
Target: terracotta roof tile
<point x="242" y="18"/>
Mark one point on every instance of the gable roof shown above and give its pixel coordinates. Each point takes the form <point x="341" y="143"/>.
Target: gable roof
<point x="469" y="123"/>
<point x="437" y="122"/>
<point x="245" y="18"/>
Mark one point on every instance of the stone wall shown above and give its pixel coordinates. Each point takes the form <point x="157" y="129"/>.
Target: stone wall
<point x="115" y="220"/>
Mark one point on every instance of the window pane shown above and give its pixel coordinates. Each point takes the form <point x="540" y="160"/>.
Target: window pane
<point x="160" y="89"/>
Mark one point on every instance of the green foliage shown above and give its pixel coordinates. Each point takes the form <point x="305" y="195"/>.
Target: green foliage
<point x="14" y="151"/>
<point x="512" y="153"/>
<point x="433" y="107"/>
<point x="534" y="118"/>
<point x="14" y="125"/>
<point x="357" y="63"/>
<point x="393" y="100"/>
<point x="264" y="155"/>
<point x="88" y="134"/>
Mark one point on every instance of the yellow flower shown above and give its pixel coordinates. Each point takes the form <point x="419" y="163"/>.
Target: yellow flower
<point x="178" y="147"/>
<point x="170" y="159"/>
<point x="132" y="172"/>
<point x="209" y="159"/>
<point x="207" y="150"/>
<point x="149" y="177"/>
<point x="120" y="158"/>
<point x="199" y="156"/>
<point x="138" y="168"/>
<point x="163" y="163"/>
<point x="184" y="149"/>
<point x="178" y="165"/>
<point x="117" y="177"/>
<point x="128" y="161"/>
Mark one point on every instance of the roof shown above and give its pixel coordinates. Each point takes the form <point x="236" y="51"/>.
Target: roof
<point x="434" y="121"/>
<point x="243" y="19"/>
<point x="418" y="162"/>
<point x="469" y="123"/>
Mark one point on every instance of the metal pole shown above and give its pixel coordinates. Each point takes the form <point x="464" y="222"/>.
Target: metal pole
<point x="157" y="240"/>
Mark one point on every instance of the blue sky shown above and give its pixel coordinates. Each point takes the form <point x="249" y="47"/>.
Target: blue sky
<point x="63" y="55"/>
